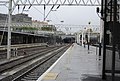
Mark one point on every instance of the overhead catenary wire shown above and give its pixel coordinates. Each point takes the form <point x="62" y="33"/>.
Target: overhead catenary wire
<point x="49" y="12"/>
<point x="52" y="10"/>
<point x="38" y="10"/>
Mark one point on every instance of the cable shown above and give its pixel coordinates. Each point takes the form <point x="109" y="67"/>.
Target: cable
<point x="38" y="10"/>
<point x="100" y="16"/>
<point x="49" y="11"/>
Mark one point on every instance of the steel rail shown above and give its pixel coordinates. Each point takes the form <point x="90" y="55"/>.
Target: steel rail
<point x="49" y="60"/>
<point x="10" y="64"/>
<point x="37" y="59"/>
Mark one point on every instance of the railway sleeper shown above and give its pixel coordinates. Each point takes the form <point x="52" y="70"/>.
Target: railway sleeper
<point x="27" y="80"/>
<point x="12" y="63"/>
<point x="33" y="75"/>
<point x="11" y="77"/>
<point x="31" y="78"/>
<point x="44" y="65"/>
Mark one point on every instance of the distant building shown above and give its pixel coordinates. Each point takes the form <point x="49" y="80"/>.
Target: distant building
<point x="3" y="18"/>
<point x="38" y="24"/>
<point x="18" y="20"/>
<point x="43" y="27"/>
<point x="22" y="18"/>
<point x="51" y="26"/>
<point x="60" y="33"/>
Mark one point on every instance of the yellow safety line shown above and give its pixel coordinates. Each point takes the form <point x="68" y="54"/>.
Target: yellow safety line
<point x="51" y="76"/>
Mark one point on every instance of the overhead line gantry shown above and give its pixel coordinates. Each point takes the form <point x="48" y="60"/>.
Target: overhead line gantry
<point x="55" y="2"/>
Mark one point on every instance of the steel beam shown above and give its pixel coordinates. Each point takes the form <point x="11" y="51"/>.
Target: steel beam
<point x="114" y="37"/>
<point x="58" y="2"/>
<point x="104" y="14"/>
<point x="9" y="30"/>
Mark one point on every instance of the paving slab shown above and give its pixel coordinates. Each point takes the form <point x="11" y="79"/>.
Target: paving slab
<point x="76" y="64"/>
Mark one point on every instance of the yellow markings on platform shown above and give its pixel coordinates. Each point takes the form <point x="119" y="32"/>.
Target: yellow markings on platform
<point x="51" y="76"/>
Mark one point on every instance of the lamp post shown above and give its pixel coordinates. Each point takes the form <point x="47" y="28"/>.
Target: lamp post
<point x="83" y="37"/>
<point x="61" y="24"/>
<point x="101" y="25"/>
<point x="89" y="34"/>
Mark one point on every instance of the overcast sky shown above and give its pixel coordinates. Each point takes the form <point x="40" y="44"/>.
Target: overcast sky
<point x="69" y="14"/>
<point x="74" y="15"/>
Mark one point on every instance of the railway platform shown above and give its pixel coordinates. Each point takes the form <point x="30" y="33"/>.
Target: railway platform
<point x="76" y="64"/>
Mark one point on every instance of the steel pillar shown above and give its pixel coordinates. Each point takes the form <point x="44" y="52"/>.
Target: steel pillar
<point x="104" y="14"/>
<point x="9" y="30"/>
<point x="114" y="38"/>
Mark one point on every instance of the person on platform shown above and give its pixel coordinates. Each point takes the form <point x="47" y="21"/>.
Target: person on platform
<point x="84" y="43"/>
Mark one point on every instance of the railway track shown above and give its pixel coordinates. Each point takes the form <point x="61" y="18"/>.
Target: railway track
<point x="14" y="70"/>
<point x="20" y="49"/>
<point x="34" y="73"/>
<point x="30" y="55"/>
